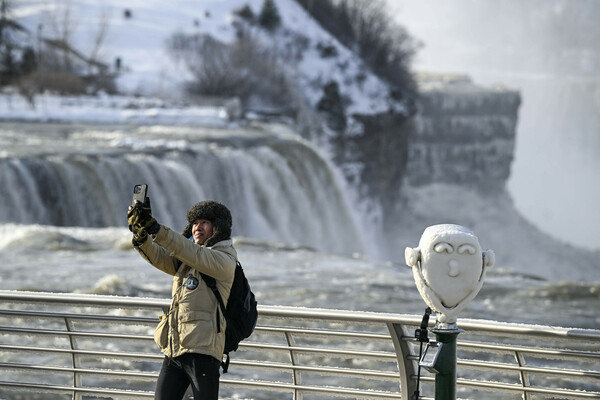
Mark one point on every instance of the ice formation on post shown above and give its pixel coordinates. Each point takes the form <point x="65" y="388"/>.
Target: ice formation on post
<point x="449" y="267"/>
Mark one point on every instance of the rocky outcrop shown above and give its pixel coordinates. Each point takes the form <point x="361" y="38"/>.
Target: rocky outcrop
<point x="463" y="134"/>
<point x="373" y="156"/>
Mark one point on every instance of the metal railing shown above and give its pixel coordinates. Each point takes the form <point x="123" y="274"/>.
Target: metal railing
<point x="88" y="346"/>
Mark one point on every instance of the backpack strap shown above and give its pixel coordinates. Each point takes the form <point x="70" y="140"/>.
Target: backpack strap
<point x="212" y="284"/>
<point x="225" y="364"/>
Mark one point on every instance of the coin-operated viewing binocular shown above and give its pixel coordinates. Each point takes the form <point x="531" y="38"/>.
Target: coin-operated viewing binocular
<point x="449" y="267"/>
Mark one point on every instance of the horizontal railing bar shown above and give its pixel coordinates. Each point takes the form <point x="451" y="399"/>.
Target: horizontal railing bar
<point x="260" y="346"/>
<point x="371" y="374"/>
<point x="91" y="317"/>
<point x="513" y="367"/>
<point x="325" y="351"/>
<point x="494" y="328"/>
<point x="510" y="349"/>
<point x="82" y="352"/>
<point x="330" y="352"/>
<point x="78" y="299"/>
<point x="337" y="391"/>
<point x="354" y="335"/>
<point x="473" y="326"/>
<point x="72" y="389"/>
<point x="319" y="314"/>
<point x="153" y="321"/>
<point x="534" y="370"/>
<point x="137" y="336"/>
<point x="323" y="332"/>
<point x="511" y="387"/>
<point x="149" y="303"/>
<point x="239" y="383"/>
<point x="77" y="333"/>
<point x="528" y="350"/>
<point x="317" y="369"/>
<point x="86" y="371"/>
<point x="259" y="328"/>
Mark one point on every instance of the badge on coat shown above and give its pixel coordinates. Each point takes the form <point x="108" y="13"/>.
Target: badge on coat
<point x="191" y="282"/>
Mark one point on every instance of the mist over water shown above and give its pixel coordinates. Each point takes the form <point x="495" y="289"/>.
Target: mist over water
<point x="558" y="188"/>
<point x="553" y="63"/>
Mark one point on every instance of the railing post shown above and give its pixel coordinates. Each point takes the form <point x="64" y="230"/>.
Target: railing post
<point x="523" y="375"/>
<point x="407" y="368"/>
<point x="297" y="377"/>
<point x="74" y="360"/>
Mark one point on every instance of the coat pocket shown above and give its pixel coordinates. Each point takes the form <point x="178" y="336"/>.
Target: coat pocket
<point x="161" y="334"/>
<point x="196" y="329"/>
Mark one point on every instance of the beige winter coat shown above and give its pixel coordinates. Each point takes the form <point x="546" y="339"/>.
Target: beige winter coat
<point x="194" y="323"/>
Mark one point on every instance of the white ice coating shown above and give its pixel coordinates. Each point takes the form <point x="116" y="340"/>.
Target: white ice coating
<point x="448" y="268"/>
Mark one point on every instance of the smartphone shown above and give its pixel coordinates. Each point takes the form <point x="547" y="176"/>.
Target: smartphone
<point x="139" y="193"/>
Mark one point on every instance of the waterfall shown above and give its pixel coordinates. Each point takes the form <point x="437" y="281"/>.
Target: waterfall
<point x="278" y="188"/>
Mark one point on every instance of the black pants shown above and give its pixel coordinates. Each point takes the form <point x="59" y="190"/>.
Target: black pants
<point x="199" y="370"/>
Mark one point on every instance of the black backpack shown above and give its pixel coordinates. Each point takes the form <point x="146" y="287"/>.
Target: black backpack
<point x="241" y="313"/>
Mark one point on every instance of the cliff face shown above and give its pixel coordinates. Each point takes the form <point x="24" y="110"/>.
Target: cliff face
<point x="463" y="135"/>
<point x="373" y="158"/>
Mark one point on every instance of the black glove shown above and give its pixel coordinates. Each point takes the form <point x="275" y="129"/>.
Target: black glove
<point x="139" y="237"/>
<point x="141" y="222"/>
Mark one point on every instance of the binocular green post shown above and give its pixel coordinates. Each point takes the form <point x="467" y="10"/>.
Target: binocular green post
<point x="445" y="377"/>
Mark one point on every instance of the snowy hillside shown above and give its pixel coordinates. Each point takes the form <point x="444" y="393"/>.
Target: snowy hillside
<point x="139" y="41"/>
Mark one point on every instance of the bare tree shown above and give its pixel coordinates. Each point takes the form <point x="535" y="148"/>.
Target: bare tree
<point x="211" y="63"/>
<point x="103" y="25"/>
<point x="63" y="27"/>
<point x="11" y="36"/>
<point x="243" y="69"/>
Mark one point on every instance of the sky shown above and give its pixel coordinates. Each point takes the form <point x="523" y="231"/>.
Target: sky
<point x="555" y="174"/>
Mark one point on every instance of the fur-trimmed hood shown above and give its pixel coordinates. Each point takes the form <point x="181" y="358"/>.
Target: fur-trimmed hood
<point x="215" y="212"/>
